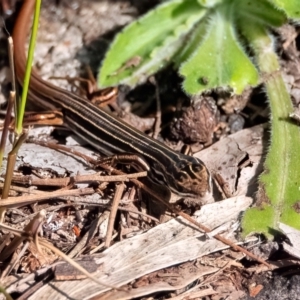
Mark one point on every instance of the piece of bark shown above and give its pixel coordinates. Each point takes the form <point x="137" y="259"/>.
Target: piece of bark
<point x="66" y="271"/>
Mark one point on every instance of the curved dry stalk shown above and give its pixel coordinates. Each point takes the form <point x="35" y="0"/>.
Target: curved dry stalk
<point x="75" y="264"/>
<point x="30" y="234"/>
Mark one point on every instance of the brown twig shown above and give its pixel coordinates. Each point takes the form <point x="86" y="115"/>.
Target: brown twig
<point x="21" y="189"/>
<point x="12" y="69"/>
<point x="139" y="213"/>
<point x="74" y="264"/>
<point x="33" y="288"/>
<point x="223" y="240"/>
<point x="30" y="237"/>
<point x="76" y="179"/>
<point x="6" y="123"/>
<point x="15" y="259"/>
<point x="32" y="227"/>
<point x="157" y="124"/>
<point x="48" y="209"/>
<point x="24" y="200"/>
<point x="101" y="246"/>
<point x="113" y="211"/>
<point x="169" y="206"/>
<point x="80" y="246"/>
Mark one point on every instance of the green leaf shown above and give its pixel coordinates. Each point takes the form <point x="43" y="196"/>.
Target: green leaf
<point x="220" y="60"/>
<point x="259" y="12"/>
<point x="290" y="7"/>
<point x="149" y="43"/>
<point x="259" y="220"/>
<point x="209" y="3"/>
<point x="193" y="40"/>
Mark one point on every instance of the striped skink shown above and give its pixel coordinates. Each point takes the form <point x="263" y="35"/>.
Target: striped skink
<point x="183" y="175"/>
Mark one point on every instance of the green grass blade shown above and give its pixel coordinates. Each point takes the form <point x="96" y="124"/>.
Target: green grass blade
<point x="20" y="116"/>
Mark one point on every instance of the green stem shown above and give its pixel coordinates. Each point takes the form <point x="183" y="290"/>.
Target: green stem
<point x="19" y="123"/>
<point x="11" y="161"/>
<point x="280" y="182"/>
<point x="6" y="295"/>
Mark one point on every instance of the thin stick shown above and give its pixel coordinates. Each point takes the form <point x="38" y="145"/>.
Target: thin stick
<point x="44" y="243"/>
<point x="75" y="264"/>
<point x="113" y="212"/>
<point x="7" y="120"/>
<point x="15" y="259"/>
<point x="33" y="288"/>
<point x="21" y="189"/>
<point x="30" y="229"/>
<point x="83" y="243"/>
<point x="14" y="88"/>
<point x="159" y="198"/>
<point x="12" y="64"/>
<point x="24" y="200"/>
<point x="101" y="246"/>
<point x="158" y="109"/>
<point x="76" y="179"/>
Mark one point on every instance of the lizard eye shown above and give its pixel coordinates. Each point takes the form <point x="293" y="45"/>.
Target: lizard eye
<point x="197" y="168"/>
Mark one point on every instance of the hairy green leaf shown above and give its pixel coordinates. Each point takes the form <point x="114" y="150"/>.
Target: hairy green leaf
<point x="290" y="7"/>
<point x="259" y="12"/>
<point x="193" y="41"/>
<point x="149" y="43"/>
<point x="220" y="60"/>
<point x="209" y="3"/>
